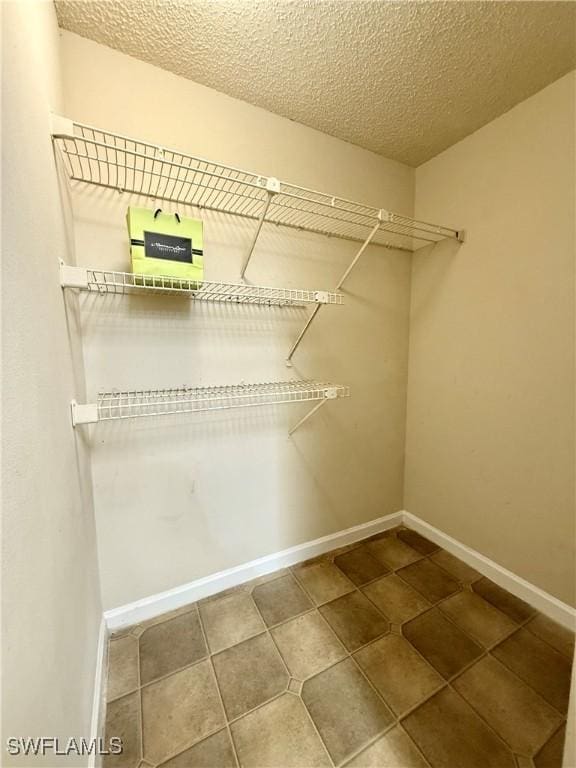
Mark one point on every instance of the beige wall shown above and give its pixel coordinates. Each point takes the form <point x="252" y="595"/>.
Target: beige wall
<point x="177" y="499"/>
<point x="50" y="594"/>
<point x="490" y="435"/>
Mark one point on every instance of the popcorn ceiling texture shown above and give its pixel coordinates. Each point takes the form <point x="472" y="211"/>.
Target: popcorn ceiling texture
<point x="403" y="79"/>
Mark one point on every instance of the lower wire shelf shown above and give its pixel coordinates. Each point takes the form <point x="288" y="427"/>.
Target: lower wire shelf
<point x="162" y="402"/>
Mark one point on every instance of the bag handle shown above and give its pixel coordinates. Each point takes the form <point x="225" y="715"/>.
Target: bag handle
<point x="159" y="210"/>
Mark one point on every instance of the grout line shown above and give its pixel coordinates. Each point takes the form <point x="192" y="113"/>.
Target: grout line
<point x="530" y="620"/>
<point x="276" y="696"/>
<point x="563" y="715"/>
<point x="140" y="704"/>
<point x="316" y="731"/>
<point x="368" y="744"/>
<point x="217" y="684"/>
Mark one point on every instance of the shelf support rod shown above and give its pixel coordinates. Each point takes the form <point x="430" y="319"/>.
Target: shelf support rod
<point x="304" y="418"/>
<point x="363" y="247"/>
<point x="272" y="188"/>
<point x="301" y="334"/>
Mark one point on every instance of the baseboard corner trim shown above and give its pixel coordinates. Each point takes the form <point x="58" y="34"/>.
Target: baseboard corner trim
<point x="155" y="605"/>
<point x="98" y="699"/>
<point x="547" y="604"/>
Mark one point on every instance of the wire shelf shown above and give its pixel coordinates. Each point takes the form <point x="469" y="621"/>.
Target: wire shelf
<point x="111" y="160"/>
<point x="161" y="402"/>
<point x="105" y="281"/>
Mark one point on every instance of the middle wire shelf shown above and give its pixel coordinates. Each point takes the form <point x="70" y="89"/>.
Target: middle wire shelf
<point x="162" y="402"/>
<point x="105" y="281"/>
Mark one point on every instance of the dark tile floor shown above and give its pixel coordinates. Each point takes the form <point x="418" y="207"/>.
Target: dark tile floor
<point x="390" y="653"/>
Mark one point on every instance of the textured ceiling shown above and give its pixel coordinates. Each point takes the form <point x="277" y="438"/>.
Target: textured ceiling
<point x="404" y="79"/>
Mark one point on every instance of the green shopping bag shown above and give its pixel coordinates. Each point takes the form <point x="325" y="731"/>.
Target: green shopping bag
<point x="165" y="244"/>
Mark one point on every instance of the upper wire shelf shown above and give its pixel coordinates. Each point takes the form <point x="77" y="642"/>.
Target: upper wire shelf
<point x="105" y="281"/>
<point x="107" y="159"/>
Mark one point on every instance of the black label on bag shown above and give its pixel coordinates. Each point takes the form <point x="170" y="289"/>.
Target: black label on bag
<point x="169" y="247"/>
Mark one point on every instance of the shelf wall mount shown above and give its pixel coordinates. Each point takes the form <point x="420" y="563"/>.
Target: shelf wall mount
<point x="110" y="406"/>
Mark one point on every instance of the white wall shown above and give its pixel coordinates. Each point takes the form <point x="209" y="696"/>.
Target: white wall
<point x="177" y="499"/>
<point x="50" y="593"/>
<point x="490" y="441"/>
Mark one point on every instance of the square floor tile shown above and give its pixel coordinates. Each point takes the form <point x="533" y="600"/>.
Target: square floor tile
<point x="394" y="750"/>
<point x="345" y="708"/>
<point x="214" y="752"/>
<point x="539" y="665"/>
<point x="552" y="753"/>
<point x="430" y="580"/>
<point x="355" y="620"/>
<point x="123" y="721"/>
<point x="323" y="581"/>
<point x="359" y="565"/>
<point x="122" y="667"/>
<point x="451" y="735"/>
<point x="179" y="711"/>
<point x="398" y="673"/>
<point x="417" y="542"/>
<point x="484" y="623"/>
<point x="249" y="674"/>
<point x="554" y="634"/>
<point x="441" y="643"/>
<point x="455" y="567"/>
<point x="171" y="645"/>
<point x="280" y="600"/>
<point x="393" y="552"/>
<point x="230" y="619"/>
<point x="307" y="645"/>
<point x="512" y="606"/>
<point x="517" y="714"/>
<point x="279" y="734"/>
<point x="396" y="599"/>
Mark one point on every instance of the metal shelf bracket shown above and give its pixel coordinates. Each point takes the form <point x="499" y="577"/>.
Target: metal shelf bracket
<point x="272" y="186"/>
<point x="331" y="393"/>
<point x="382" y="216"/>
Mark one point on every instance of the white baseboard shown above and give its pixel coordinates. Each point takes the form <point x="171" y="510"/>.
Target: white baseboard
<point x="155" y="605"/>
<point x="96" y="725"/>
<point x="545" y="603"/>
